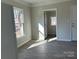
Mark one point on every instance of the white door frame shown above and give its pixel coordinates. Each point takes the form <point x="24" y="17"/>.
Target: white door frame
<point x="54" y="9"/>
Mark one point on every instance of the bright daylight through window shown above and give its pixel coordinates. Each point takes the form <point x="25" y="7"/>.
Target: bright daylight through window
<point x="53" y="21"/>
<point x="19" y="21"/>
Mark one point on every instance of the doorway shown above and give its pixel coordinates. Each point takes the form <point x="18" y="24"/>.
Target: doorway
<point x="50" y="23"/>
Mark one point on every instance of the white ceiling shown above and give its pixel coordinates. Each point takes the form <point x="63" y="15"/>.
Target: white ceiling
<point x="42" y="2"/>
<point x="34" y="1"/>
<point x="37" y="2"/>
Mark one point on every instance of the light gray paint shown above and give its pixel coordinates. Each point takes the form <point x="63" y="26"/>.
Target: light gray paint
<point x="50" y="29"/>
<point x="8" y="39"/>
<point x="27" y="23"/>
<point x="74" y="23"/>
<point x="63" y="19"/>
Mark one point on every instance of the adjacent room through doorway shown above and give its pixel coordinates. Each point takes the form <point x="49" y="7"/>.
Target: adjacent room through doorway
<point x="50" y="23"/>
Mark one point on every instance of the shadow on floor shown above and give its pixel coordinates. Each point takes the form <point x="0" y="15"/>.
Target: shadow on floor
<point x="49" y="36"/>
<point x="37" y="43"/>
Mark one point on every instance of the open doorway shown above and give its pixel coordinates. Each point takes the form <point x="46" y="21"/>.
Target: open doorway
<point x="50" y="23"/>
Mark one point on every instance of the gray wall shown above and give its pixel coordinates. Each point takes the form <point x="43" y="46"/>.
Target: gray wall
<point x="8" y="39"/>
<point x="74" y="22"/>
<point x="51" y="29"/>
<point x="27" y="22"/>
<point x="63" y="19"/>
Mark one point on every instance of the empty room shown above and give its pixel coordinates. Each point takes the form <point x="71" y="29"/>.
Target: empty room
<point x="38" y="29"/>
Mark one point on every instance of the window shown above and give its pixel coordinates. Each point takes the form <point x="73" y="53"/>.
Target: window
<point x="19" y="21"/>
<point x="53" y="20"/>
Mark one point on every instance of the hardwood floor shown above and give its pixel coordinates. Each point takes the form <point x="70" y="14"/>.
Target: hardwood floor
<point x="49" y="50"/>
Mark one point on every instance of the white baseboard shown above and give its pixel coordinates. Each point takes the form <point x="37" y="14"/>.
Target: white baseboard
<point x="63" y="40"/>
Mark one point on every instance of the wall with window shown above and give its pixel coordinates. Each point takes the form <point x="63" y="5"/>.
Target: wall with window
<point x="63" y="19"/>
<point x="27" y="22"/>
<point x="27" y="26"/>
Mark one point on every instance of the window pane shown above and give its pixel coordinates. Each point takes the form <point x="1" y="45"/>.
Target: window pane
<point x="53" y="20"/>
<point x="19" y="20"/>
<point x="19" y="31"/>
